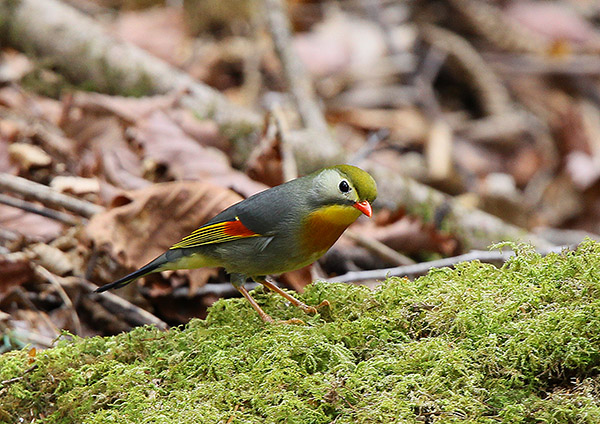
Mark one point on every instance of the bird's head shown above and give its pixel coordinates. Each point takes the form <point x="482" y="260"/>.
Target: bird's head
<point x="344" y="187"/>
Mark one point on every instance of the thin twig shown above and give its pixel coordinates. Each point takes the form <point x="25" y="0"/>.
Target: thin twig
<point x="47" y="195"/>
<point x="493" y="96"/>
<point x="424" y="267"/>
<point x="21" y="377"/>
<point x="384" y="252"/>
<point x="19" y="294"/>
<point x="221" y="290"/>
<point x="528" y="64"/>
<point x="116" y="304"/>
<point x="288" y="163"/>
<point x="52" y="279"/>
<point x="295" y="73"/>
<point x="373" y="141"/>
<point x="40" y="210"/>
<point x="309" y="155"/>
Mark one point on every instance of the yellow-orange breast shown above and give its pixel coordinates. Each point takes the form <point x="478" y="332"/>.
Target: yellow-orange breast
<point x="324" y="226"/>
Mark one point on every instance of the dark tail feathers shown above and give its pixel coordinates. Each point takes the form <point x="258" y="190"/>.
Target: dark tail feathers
<point x="122" y="282"/>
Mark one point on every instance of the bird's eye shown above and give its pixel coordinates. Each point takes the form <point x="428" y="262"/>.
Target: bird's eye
<point x="344" y="186"/>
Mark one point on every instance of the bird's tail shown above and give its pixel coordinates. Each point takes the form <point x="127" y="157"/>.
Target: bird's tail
<point x="145" y="270"/>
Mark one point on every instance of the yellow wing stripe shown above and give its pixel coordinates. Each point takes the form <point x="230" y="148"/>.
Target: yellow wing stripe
<point x="216" y="233"/>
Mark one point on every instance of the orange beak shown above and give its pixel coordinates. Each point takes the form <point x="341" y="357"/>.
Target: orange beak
<point x="364" y="207"/>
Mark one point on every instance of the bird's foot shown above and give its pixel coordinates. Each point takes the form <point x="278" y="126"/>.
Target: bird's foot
<point x="314" y="310"/>
<point x="324" y="304"/>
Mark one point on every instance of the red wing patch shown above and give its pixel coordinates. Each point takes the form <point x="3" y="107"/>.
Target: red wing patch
<point x="236" y="228"/>
<point x="216" y="233"/>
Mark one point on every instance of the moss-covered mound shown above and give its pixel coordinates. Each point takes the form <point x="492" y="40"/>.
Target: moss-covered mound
<point x="471" y="344"/>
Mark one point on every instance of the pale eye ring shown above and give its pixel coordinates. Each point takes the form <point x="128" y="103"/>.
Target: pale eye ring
<point x="344" y="186"/>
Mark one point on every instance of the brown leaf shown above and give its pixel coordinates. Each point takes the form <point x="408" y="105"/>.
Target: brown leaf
<point x="128" y="109"/>
<point x="204" y="131"/>
<point x="265" y="163"/>
<point x="340" y="44"/>
<point x="157" y="217"/>
<point x="106" y="152"/>
<point x="165" y="142"/>
<point x="6" y="165"/>
<point x="408" y="124"/>
<point x="141" y="28"/>
<point x="75" y="185"/>
<point x="52" y="258"/>
<point x="14" y="272"/>
<point x="29" y="224"/>
<point x="29" y="156"/>
<point x="553" y="21"/>
<point x="409" y="235"/>
<point x="15" y="65"/>
<point x="25" y="103"/>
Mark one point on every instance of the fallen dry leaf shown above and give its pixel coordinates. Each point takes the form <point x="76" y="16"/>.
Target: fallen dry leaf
<point x="105" y="151"/>
<point x="51" y="258"/>
<point x="129" y="109"/>
<point x="166" y="143"/>
<point x="339" y="43"/>
<point x="409" y="235"/>
<point x="75" y="185"/>
<point x="29" y="156"/>
<point x="13" y="65"/>
<point x="138" y="27"/>
<point x="155" y="218"/>
<point x="5" y="164"/>
<point x="26" y="103"/>
<point x="204" y="131"/>
<point x="553" y="21"/>
<point x="29" y="224"/>
<point x="14" y="272"/>
<point x="265" y="162"/>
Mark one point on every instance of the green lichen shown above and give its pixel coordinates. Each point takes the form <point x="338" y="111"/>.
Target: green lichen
<point x="474" y="344"/>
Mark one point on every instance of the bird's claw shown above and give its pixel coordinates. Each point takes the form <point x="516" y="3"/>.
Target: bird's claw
<point x="310" y="310"/>
<point x="324" y="304"/>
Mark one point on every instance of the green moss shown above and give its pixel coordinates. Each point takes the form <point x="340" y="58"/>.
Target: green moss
<point x="474" y="344"/>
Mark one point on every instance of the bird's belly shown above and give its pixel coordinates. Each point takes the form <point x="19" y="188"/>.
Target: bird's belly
<point x="277" y="257"/>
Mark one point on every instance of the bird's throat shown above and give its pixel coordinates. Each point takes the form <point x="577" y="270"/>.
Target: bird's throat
<point x="323" y="227"/>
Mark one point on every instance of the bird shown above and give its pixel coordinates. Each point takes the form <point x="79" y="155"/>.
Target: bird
<point x="280" y="229"/>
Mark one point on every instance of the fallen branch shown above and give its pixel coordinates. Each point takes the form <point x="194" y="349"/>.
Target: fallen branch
<point x="473" y="228"/>
<point x="493" y="96"/>
<point x="40" y="210"/>
<point x="52" y="279"/>
<point x="386" y="253"/>
<point x="424" y="267"/>
<point x="528" y="64"/>
<point x="118" y="305"/>
<point x="316" y="148"/>
<point x="81" y="49"/>
<point x="47" y="195"/>
<point x="298" y="80"/>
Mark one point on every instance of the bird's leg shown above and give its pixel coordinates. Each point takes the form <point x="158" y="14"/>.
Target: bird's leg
<point x="307" y="309"/>
<point x="238" y="282"/>
<point x="263" y="315"/>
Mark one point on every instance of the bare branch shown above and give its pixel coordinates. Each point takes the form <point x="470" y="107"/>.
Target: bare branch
<point x="37" y="209"/>
<point x="424" y="267"/>
<point x="47" y="195"/>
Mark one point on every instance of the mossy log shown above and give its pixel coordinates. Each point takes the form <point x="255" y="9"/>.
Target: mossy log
<point x="472" y="344"/>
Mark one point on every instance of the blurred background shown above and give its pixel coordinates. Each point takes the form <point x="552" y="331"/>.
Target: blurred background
<point x="480" y="121"/>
